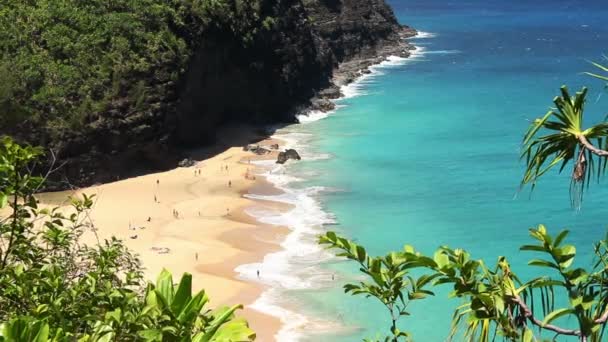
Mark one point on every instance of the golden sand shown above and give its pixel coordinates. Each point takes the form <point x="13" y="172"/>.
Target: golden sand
<point x="192" y="220"/>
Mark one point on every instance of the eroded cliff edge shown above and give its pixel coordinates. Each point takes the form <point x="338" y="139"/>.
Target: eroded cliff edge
<point x="303" y="50"/>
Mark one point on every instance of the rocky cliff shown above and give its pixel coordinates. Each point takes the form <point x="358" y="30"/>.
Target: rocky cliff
<point x="302" y="50"/>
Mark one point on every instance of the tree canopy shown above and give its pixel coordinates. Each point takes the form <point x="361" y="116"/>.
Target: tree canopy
<point x="62" y="62"/>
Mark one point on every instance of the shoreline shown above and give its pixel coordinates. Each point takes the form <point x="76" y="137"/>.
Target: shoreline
<point x="206" y="238"/>
<point x="216" y="249"/>
<point x="293" y="321"/>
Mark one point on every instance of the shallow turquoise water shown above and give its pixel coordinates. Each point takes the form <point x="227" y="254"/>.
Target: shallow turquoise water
<point x="429" y="155"/>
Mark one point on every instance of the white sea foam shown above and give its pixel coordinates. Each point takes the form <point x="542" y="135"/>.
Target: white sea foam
<point x="312" y="116"/>
<point x="442" y="52"/>
<point x="296" y="266"/>
<point x="423" y="35"/>
<point x="296" y="325"/>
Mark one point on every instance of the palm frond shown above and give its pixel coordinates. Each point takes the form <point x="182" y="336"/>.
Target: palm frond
<point x="553" y="140"/>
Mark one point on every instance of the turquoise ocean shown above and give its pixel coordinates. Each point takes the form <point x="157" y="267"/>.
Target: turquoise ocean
<point x="425" y="151"/>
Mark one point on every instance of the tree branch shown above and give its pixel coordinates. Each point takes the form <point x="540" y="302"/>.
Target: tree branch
<point x="583" y="140"/>
<point x="602" y="319"/>
<point x="528" y="314"/>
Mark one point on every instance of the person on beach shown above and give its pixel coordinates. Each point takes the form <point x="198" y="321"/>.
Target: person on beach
<point x="155" y="199"/>
<point x="230" y="184"/>
<point x="258" y="272"/>
<point x="149" y="219"/>
<point x="196" y="256"/>
<point x="157" y="182"/>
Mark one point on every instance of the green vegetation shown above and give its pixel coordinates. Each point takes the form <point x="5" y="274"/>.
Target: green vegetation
<point x="53" y="288"/>
<point x="495" y="302"/>
<point x="63" y="62"/>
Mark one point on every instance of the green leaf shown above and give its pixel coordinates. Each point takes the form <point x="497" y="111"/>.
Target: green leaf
<point x="534" y="248"/>
<point x="542" y="263"/>
<point x="164" y="286"/>
<point x="221" y="318"/>
<point x="3" y="200"/>
<point x="560" y="237"/>
<point x="528" y="336"/>
<point x="151" y="335"/>
<point x="441" y="259"/>
<point x="557" y="314"/>
<point x="183" y="294"/>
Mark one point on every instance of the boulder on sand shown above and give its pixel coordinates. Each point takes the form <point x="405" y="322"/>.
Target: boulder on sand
<point x="186" y="163"/>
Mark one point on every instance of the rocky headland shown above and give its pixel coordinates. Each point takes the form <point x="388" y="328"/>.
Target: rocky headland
<point x="297" y="63"/>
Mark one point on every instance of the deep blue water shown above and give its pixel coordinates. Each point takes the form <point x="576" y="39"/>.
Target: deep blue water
<point x="430" y="155"/>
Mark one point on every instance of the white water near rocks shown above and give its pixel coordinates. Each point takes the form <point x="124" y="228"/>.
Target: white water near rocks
<point x="297" y="266"/>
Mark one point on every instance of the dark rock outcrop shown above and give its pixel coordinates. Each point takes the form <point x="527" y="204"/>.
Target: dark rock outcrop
<point x="187" y="162"/>
<point x="298" y="61"/>
<point x="283" y="157"/>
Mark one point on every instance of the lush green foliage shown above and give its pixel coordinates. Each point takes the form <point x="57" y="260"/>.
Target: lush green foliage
<point x="63" y="61"/>
<point x="495" y="300"/>
<point x="390" y="280"/>
<point x="549" y="143"/>
<point x="53" y="288"/>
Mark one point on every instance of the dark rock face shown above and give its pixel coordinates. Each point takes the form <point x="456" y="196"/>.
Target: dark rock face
<point x="283" y="157"/>
<point x="312" y="48"/>
<point x="322" y="104"/>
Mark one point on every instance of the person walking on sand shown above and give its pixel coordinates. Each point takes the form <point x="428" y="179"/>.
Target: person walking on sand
<point x="258" y="272"/>
<point x="230" y="184"/>
<point x="157" y="182"/>
<point x="196" y="256"/>
<point x="155" y="199"/>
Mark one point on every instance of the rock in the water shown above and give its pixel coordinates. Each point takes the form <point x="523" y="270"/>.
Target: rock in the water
<point x="274" y="146"/>
<point x="186" y="163"/>
<point x="288" y="154"/>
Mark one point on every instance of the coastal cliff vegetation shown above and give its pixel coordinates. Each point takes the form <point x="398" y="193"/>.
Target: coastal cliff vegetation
<point x="125" y="86"/>
<point x="64" y="62"/>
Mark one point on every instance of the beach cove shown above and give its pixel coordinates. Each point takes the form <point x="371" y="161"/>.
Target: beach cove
<point x="193" y="219"/>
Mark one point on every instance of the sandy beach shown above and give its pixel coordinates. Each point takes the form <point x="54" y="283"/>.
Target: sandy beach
<point x="193" y="219"/>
